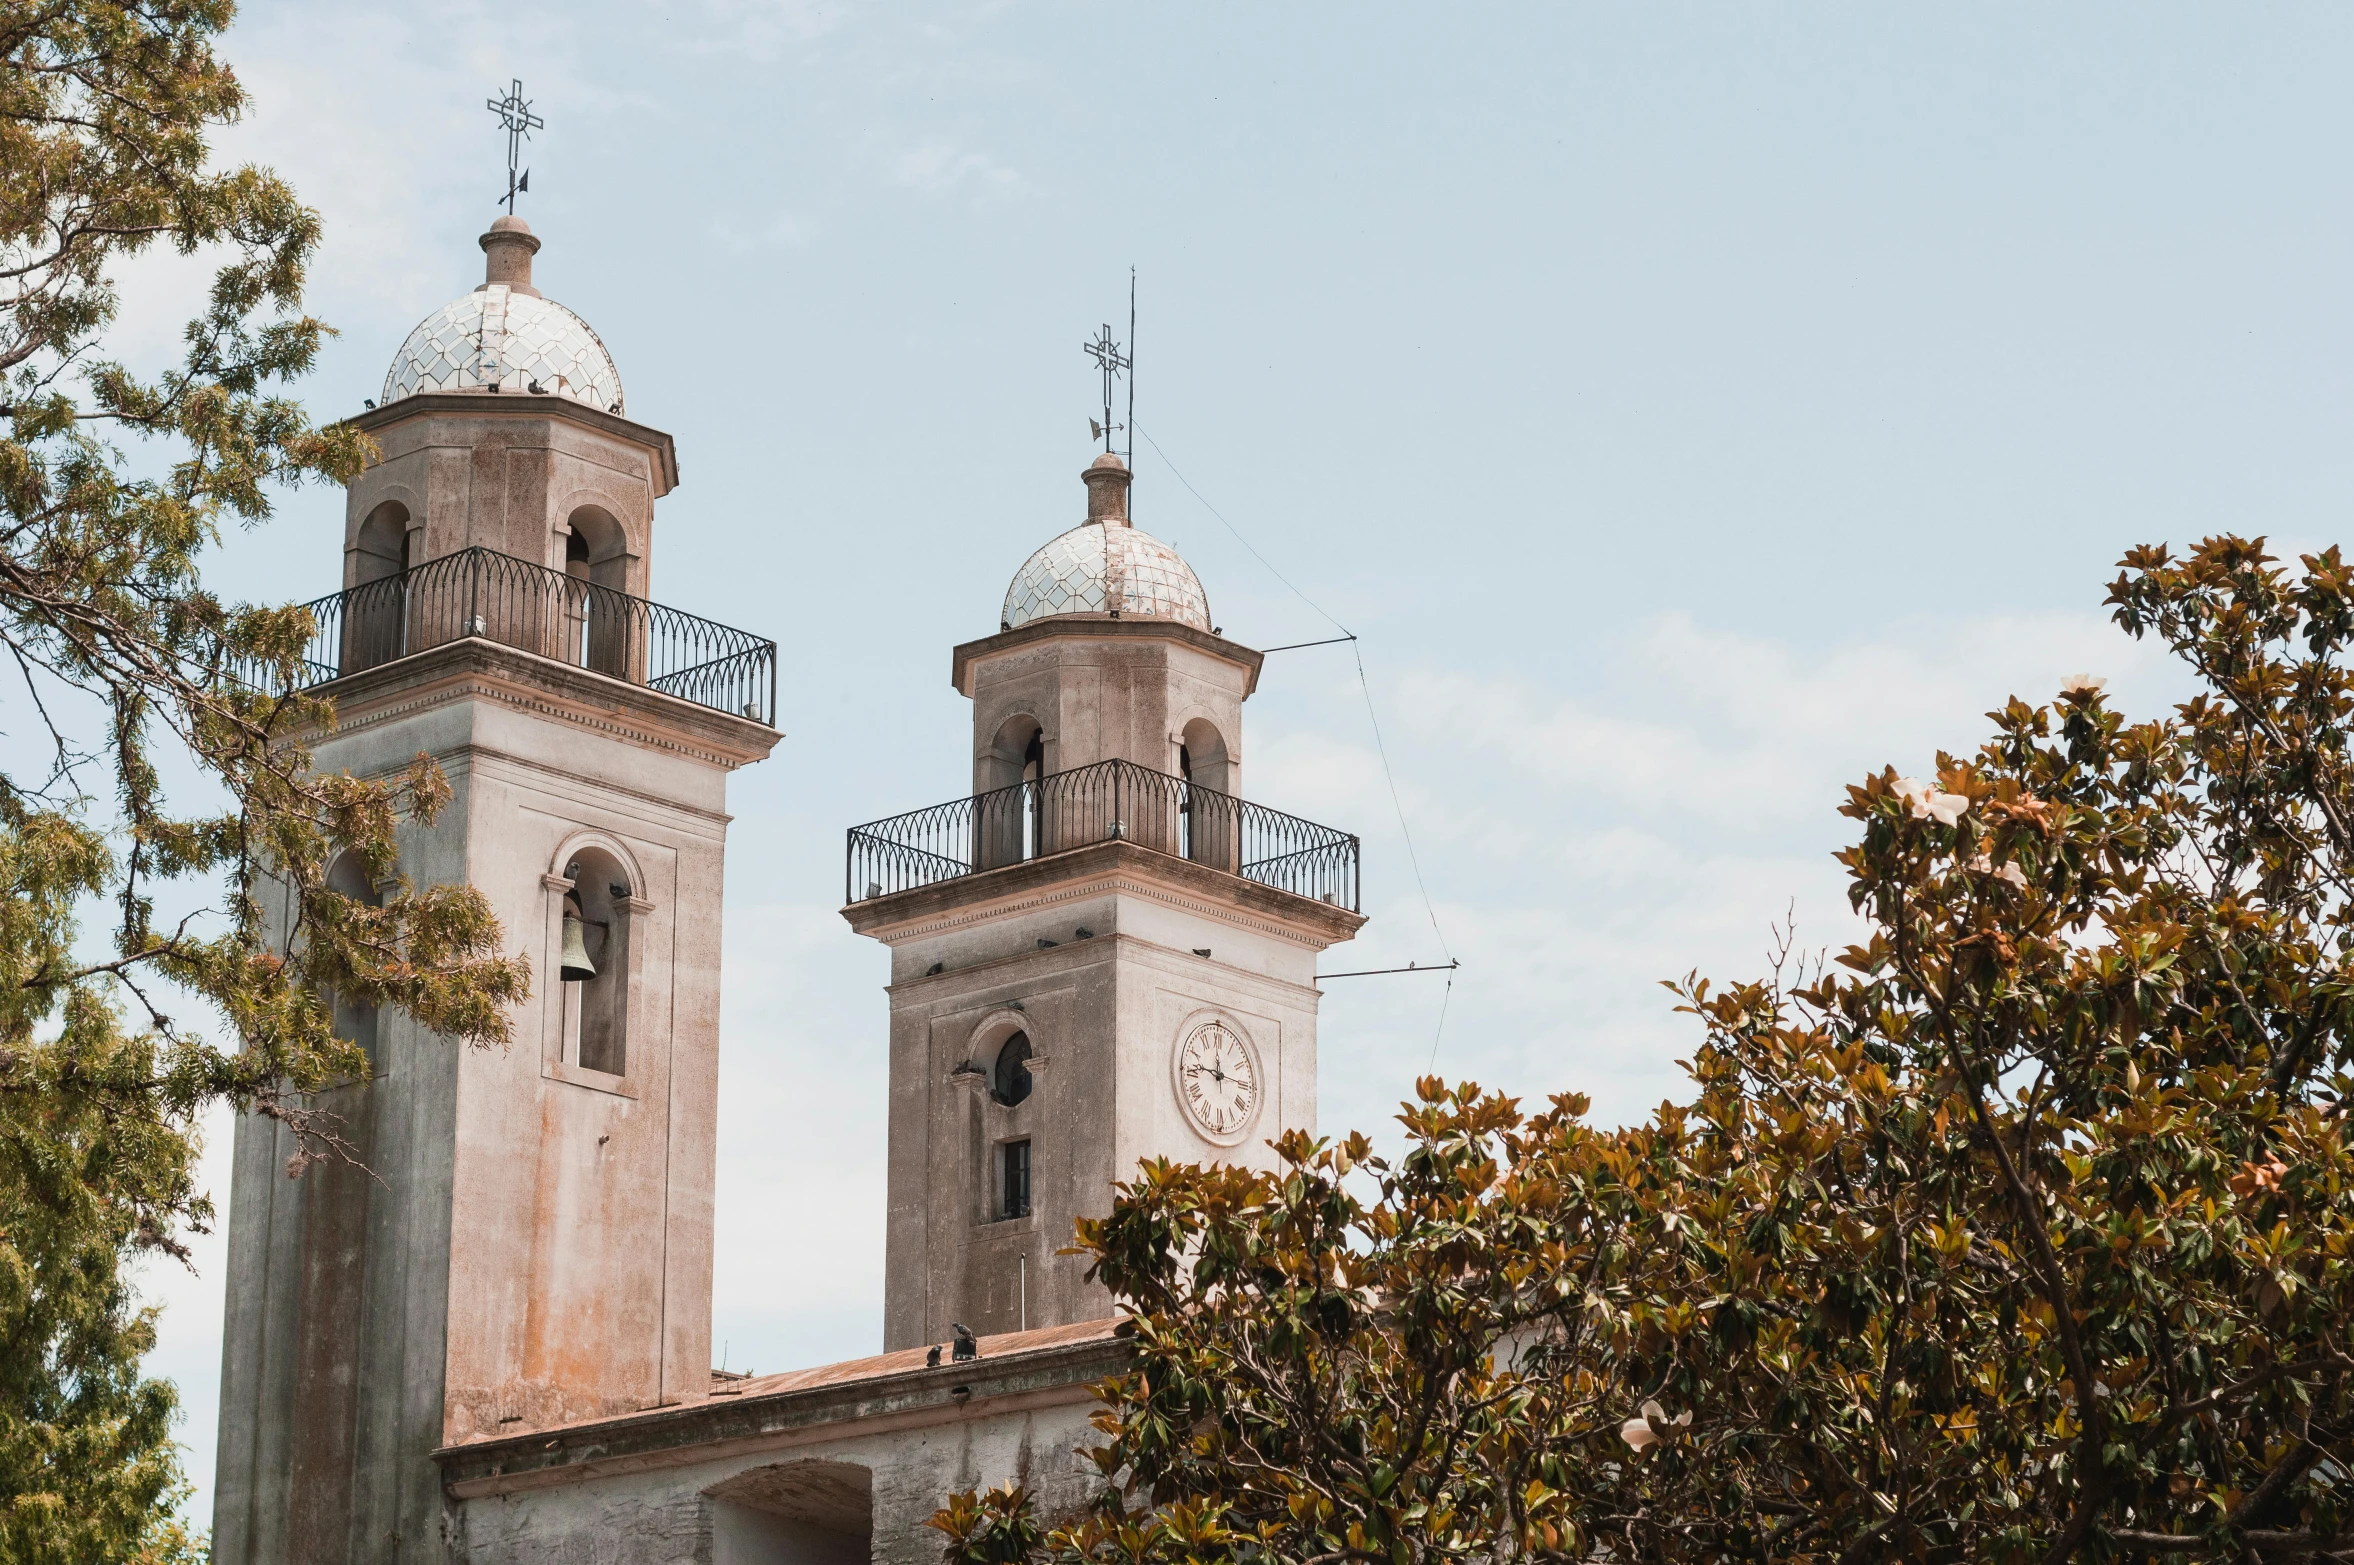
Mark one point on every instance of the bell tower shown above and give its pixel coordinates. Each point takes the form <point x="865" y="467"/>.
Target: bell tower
<point x="529" y="1240"/>
<point x="1104" y="954"/>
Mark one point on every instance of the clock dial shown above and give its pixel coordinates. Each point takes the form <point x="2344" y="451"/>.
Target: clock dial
<point x="1216" y="1079"/>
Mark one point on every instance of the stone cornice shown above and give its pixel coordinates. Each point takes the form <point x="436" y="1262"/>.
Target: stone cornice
<point x="1090" y="871"/>
<point x="528" y="682"/>
<point x="1103" y="627"/>
<point x="486" y="404"/>
<point x="754" y="1422"/>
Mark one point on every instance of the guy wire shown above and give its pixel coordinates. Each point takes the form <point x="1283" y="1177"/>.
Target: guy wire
<point x="1364" y="686"/>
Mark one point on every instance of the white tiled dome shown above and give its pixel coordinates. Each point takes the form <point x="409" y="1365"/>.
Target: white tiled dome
<point x="1106" y="567"/>
<point x="497" y="336"/>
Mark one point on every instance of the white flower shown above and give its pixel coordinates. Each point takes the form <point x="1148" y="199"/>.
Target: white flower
<point x="1653" y="1426"/>
<point x="2082" y="685"/>
<point x="1927" y="802"/>
<point x="2010" y="872"/>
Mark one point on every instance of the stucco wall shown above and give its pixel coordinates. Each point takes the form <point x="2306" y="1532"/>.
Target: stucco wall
<point x="1104" y="1013"/>
<point x="535" y="1242"/>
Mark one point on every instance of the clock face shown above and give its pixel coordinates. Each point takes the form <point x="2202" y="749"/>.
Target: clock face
<point x="1217" y="1080"/>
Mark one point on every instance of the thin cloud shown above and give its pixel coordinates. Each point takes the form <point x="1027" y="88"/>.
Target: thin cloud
<point x="941" y="167"/>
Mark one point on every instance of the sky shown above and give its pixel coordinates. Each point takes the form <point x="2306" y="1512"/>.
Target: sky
<point x="1691" y="409"/>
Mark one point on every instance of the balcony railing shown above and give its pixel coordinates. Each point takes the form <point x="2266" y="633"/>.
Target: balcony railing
<point x="1111" y="801"/>
<point x="494" y="596"/>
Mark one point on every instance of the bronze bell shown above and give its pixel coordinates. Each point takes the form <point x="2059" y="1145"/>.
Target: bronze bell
<point x="575" y="967"/>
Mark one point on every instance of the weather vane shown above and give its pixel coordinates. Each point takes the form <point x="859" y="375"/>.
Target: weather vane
<point x="1108" y="358"/>
<point x="514" y="112"/>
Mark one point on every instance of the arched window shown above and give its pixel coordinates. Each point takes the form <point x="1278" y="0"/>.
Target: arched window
<point x="375" y="617"/>
<point x="355" y="1023"/>
<point x="601" y="629"/>
<point x="1010" y="815"/>
<point x="382" y="547"/>
<point x="1209" y="820"/>
<point x="596" y="991"/>
<point x="1010" y="1080"/>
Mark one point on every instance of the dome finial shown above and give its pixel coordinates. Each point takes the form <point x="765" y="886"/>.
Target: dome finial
<point x="508" y="249"/>
<point x="1107" y="490"/>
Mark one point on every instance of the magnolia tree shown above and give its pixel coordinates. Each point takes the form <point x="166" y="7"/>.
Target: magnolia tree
<point x="2019" y="1232"/>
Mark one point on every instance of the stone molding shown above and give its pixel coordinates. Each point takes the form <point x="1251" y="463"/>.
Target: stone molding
<point x="1104" y="627"/>
<point x="1101" y="867"/>
<point x="522" y="405"/>
<point x="477" y="667"/>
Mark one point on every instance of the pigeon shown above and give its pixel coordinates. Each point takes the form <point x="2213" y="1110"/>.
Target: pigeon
<point x="966" y="1347"/>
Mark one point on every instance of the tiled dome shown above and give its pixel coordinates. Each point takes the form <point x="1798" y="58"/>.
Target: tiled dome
<point x="1107" y="567"/>
<point x="497" y="336"/>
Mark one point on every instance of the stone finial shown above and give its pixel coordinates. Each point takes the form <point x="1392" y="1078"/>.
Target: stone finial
<point x="510" y="245"/>
<point x="1107" y="490"/>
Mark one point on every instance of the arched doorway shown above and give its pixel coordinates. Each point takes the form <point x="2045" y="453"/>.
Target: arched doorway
<point x="794" y="1513"/>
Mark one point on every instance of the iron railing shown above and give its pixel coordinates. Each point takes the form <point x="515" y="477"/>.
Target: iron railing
<point x="483" y="593"/>
<point x="1111" y="801"/>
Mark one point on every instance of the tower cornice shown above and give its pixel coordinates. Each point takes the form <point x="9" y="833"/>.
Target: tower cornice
<point x="524" y="406"/>
<point x="479" y="667"/>
<point x="1104" y="627"/>
<point x="1104" y="866"/>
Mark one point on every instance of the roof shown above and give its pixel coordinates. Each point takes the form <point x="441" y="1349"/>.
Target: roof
<point x="887" y="1391"/>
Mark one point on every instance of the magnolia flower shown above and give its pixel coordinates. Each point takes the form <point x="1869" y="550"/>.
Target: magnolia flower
<point x="1928" y="803"/>
<point x="2011" y="872"/>
<point x="1642" y="1433"/>
<point x="2082" y="685"/>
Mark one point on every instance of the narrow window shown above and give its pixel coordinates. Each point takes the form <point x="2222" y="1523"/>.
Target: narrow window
<point x="1034" y="774"/>
<point x="1013" y="1183"/>
<point x="1188" y="833"/>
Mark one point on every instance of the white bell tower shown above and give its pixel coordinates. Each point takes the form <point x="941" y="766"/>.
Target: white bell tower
<point x="1102" y="956"/>
<point x="530" y="1240"/>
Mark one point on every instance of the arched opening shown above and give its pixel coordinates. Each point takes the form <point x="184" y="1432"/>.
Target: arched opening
<point x="382" y="548"/>
<point x="600" y="628"/>
<point x="354" y="1022"/>
<point x="1208" y="821"/>
<point x="1009" y="1078"/>
<point x="794" y="1513"/>
<point x="375" y="615"/>
<point x="596" y="992"/>
<point x="1010" y="816"/>
<point x="1009" y="1083"/>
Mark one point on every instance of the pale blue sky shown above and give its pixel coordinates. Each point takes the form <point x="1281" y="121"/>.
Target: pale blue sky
<point x="1691" y="406"/>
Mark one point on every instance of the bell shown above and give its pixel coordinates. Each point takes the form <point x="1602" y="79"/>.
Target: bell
<point x="576" y="967"/>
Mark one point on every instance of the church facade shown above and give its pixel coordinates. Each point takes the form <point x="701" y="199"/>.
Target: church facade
<point x="492" y="1342"/>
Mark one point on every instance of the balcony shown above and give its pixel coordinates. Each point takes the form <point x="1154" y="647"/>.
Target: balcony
<point x="484" y="594"/>
<point x="1111" y="801"/>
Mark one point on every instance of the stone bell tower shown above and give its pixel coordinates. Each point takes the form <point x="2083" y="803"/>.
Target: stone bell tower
<point x="1104" y="954"/>
<point x="529" y="1240"/>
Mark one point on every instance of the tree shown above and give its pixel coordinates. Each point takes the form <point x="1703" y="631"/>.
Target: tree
<point x="124" y="658"/>
<point x="2020" y="1233"/>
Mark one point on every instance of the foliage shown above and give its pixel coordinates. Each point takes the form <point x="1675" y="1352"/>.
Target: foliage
<point x="2024" y="1232"/>
<point x="130" y="667"/>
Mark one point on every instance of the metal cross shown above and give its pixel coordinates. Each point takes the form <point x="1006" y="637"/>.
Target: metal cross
<point x="1110" y="360"/>
<point x="514" y="112"/>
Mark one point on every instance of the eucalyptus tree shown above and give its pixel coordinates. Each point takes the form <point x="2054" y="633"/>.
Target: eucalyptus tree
<point x="118" y="1026"/>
